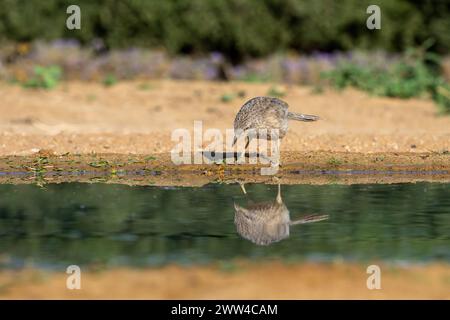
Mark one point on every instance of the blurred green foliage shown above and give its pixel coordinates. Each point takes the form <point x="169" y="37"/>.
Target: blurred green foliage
<point x="44" y="77"/>
<point x="109" y="80"/>
<point x="415" y="75"/>
<point x="238" y="28"/>
<point x="227" y="97"/>
<point x="276" y="91"/>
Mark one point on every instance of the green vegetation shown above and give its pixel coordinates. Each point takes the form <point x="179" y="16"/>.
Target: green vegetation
<point x="277" y="92"/>
<point x="415" y="75"/>
<point x="238" y="28"/>
<point x="230" y="96"/>
<point x="442" y="96"/>
<point x="255" y="78"/>
<point x="241" y="93"/>
<point x="44" y="77"/>
<point x="227" y="97"/>
<point x="99" y="164"/>
<point x="145" y="86"/>
<point x="91" y="97"/>
<point x="317" y="89"/>
<point x="335" y="162"/>
<point x="109" y="80"/>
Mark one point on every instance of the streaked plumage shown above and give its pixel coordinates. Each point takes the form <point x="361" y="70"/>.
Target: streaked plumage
<point x="266" y="113"/>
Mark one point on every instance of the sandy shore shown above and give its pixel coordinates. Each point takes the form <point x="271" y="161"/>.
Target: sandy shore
<point x="157" y="169"/>
<point x="238" y="280"/>
<point x="127" y="127"/>
<point x="88" y="117"/>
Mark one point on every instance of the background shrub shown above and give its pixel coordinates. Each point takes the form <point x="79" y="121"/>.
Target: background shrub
<point x="237" y="28"/>
<point x="44" y="77"/>
<point x="416" y="74"/>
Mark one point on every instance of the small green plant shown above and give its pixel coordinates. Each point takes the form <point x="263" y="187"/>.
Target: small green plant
<point x="228" y="266"/>
<point x="230" y="96"/>
<point x="44" y="77"/>
<point x="241" y="93"/>
<point x="317" y="89"/>
<point x="227" y="97"/>
<point x="442" y="97"/>
<point x="277" y="92"/>
<point x="145" y="86"/>
<point x="99" y="164"/>
<point x="109" y="80"/>
<point x="91" y="97"/>
<point x="255" y="78"/>
<point x="334" y="162"/>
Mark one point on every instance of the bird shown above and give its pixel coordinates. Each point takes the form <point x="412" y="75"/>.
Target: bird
<point x="265" y="113"/>
<point x="267" y="222"/>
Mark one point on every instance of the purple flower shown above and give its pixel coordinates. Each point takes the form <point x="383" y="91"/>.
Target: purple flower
<point x="216" y="57"/>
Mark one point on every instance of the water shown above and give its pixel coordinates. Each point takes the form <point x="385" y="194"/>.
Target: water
<point x="107" y="224"/>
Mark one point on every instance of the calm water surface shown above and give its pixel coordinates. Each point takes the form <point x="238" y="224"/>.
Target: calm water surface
<point x="107" y="224"/>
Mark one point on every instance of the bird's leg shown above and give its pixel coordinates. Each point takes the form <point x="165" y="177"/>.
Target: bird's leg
<point x="279" y="200"/>
<point x="241" y="184"/>
<point x="247" y="142"/>
<point x="278" y="163"/>
<point x="273" y="162"/>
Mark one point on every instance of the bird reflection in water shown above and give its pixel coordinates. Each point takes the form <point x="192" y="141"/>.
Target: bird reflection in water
<point x="267" y="222"/>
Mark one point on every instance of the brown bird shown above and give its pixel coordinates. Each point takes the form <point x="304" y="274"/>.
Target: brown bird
<point x="265" y="223"/>
<point x="265" y="113"/>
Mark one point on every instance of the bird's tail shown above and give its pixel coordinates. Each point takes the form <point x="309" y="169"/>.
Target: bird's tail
<point x="302" y="117"/>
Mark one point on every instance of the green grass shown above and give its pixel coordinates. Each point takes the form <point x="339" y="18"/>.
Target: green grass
<point x="91" y="97"/>
<point x="109" y="80"/>
<point x="44" y="77"/>
<point x="255" y="78"/>
<point x="276" y="91"/>
<point x="227" y="97"/>
<point x="145" y="86"/>
<point x="334" y="162"/>
<point x="241" y="94"/>
<point x="99" y="164"/>
<point x="230" y="96"/>
<point x="317" y="89"/>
